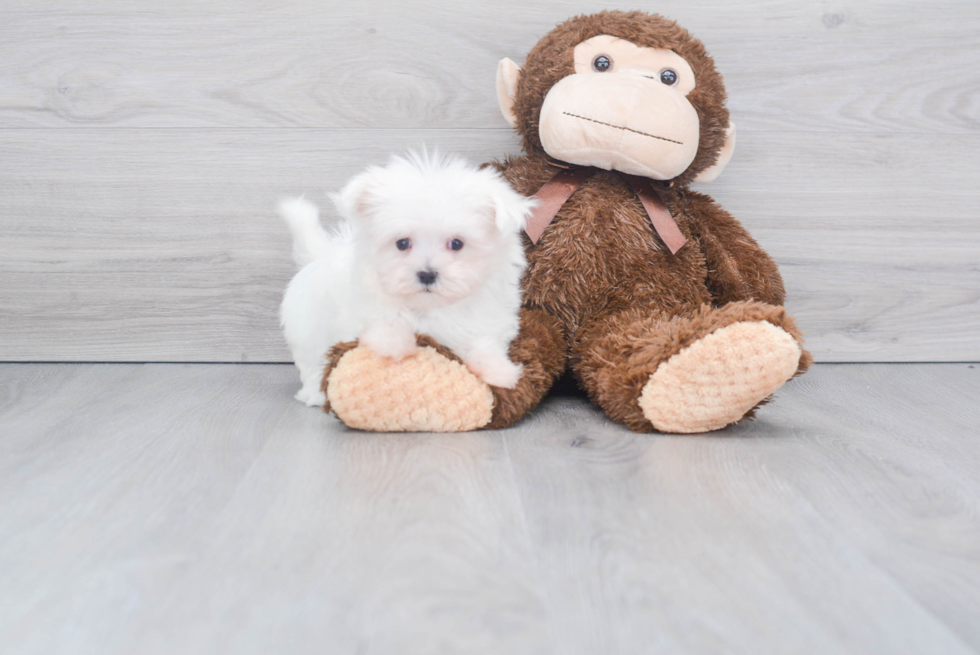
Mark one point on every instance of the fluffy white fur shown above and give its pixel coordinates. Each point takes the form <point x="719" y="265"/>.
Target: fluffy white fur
<point x="356" y="283"/>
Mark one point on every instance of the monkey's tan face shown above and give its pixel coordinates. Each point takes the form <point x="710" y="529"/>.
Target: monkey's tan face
<point x="624" y="109"/>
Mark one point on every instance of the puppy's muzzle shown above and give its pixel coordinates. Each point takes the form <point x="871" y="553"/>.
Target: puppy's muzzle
<point x="428" y="278"/>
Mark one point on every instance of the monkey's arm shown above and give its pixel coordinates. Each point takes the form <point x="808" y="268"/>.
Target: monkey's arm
<point x="738" y="268"/>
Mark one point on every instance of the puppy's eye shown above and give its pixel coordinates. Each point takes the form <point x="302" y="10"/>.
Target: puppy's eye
<point x="455" y="244"/>
<point x="403" y="244"/>
<point x="668" y="77"/>
<point x="601" y="64"/>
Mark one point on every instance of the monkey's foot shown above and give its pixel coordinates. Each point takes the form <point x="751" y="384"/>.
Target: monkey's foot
<point x="720" y="377"/>
<point x="425" y="392"/>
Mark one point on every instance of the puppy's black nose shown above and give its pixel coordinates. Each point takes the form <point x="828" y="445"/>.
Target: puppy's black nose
<point x="427" y="277"/>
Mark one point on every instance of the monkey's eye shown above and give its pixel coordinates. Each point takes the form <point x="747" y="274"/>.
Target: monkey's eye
<point x="601" y="64"/>
<point x="455" y="244"/>
<point x="403" y="244"/>
<point x="668" y="77"/>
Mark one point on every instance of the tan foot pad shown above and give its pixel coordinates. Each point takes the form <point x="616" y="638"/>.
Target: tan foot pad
<point x="422" y="393"/>
<point x="717" y="379"/>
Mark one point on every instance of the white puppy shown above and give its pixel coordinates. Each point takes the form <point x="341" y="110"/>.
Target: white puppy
<point x="429" y="245"/>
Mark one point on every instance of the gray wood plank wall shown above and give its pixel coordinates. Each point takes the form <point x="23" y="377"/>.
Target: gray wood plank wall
<point x="142" y="149"/>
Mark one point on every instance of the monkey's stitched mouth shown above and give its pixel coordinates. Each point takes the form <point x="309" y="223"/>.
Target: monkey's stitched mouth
<point x="619" y="127"/>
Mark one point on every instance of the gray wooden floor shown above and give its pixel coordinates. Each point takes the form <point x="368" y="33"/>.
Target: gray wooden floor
<point x="199" y="509"/>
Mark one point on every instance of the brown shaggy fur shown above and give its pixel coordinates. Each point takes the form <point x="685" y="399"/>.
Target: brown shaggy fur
<point x="602" y="291"/>
<point x="542" y="348"/>
<point x="627" y="304"/>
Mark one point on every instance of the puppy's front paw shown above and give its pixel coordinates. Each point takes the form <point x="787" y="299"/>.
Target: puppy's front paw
<point x="496" y="371"/>
<point x="394" y="344"/>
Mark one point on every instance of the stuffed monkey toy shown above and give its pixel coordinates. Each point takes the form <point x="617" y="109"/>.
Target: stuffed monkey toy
<point x="667" y="312"/>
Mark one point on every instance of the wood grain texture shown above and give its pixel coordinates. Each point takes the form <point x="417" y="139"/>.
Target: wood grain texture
<point x="144" y="507"/>
<point x="861" y="66"/>
<point x="162" y="245"/>
<point x="198" y="508"/>
<point x="759" y="538"/>
<point x="143" y="147"/>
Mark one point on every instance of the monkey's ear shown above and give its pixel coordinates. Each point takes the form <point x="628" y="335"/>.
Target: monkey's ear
<point x="508" y="75"/>
<point x="711" y="173"/>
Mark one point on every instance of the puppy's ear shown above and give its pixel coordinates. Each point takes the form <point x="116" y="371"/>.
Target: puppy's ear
<point x="510" y="209"/>
<point x="356" y="201"/>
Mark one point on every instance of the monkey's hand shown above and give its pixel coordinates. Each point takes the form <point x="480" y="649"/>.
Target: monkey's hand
<point x="427" y="391"/>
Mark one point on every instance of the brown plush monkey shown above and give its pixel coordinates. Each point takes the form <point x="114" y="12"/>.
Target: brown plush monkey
<point x="668" y="313"/>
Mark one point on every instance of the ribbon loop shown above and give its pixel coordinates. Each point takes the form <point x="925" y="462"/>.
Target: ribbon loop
<point x="663" y="222"/>
<point x="551" y="197"/>
<point x="556" y="192"/>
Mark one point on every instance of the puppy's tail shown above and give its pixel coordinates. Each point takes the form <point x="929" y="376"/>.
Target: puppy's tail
<point x="310" y="240"/>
